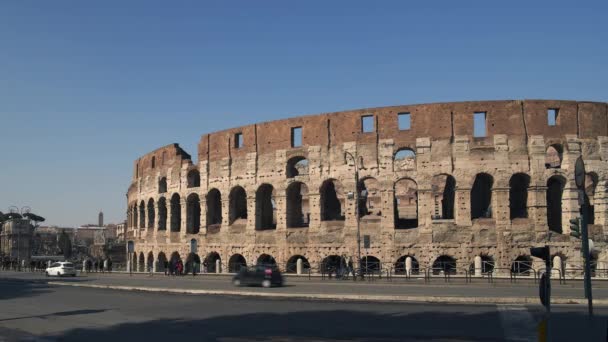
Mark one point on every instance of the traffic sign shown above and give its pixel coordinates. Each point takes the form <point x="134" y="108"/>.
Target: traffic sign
<point x="579" y="173"/>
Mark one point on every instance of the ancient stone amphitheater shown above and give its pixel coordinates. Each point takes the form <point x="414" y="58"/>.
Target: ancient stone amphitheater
<point x="441" y="185"/>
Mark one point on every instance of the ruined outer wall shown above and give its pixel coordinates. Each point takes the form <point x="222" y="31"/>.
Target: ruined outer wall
<point x="442" y="137"/>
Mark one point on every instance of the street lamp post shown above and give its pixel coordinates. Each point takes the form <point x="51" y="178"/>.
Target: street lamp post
<point x="356" y="197"/>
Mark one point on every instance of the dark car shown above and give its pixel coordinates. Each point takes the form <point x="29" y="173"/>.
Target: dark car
<point x="264" y="275"/>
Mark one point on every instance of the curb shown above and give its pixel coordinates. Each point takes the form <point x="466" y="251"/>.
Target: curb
<point x="344" y="297"/>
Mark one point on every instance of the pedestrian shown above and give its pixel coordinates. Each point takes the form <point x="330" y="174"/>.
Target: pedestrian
<point x="194" y="267"/>
<point x="166" y="267"/>
<point x="109" y="265"/>
<point x="105" y="265"/>
<point x="351" y="269"/>
<point x="205" y="265"/>
<point x="101" y="266"/>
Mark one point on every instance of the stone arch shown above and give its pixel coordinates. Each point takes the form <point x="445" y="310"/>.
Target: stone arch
<point x="162" y="214"/>
<point x="161" y="262"/>
<point x="193" y="214"/>
<point x="141" y="264"/>
<point x="591" y="181"/>
<point x="150" y="262"/>
<point x="445" y="264"/>
<point x="292" y="264"/>
<point x="194" y="178"/>
<point x="400" y="265"/>
<point x="193" y="262"/>
<point x="142" y="214"/>
<point x="518" y="195"/>
<point x="406" y="204"/>
<point x="176" y="213"/>
<point x="236" y="263"/>
<point x="265" y="208"/>
<point x="553" y="156"/>
<point x="481" y="196"/>
<point x="370" y="201"/>
<point x="298" y="205"/>
<point x="214" y="208"/>
<point x="296" y="166"/>
<point x="522" y="265"/>
<point x="266" y="260"/>
<point x="370" y="264"/>
<point x="162" y="185"/>
<point x="332" y="201"/>
<point x="210" y="260"/>
<point x="405" y="159"/>
<point x="332" y="263"/>
<point x="153" y="163"/>
<point x="555" y="190"/>
<point x="238" y="205"/>
<point x="444" y="195"/>
<point x="151" y="213"/>
<point x="487" y="264"/>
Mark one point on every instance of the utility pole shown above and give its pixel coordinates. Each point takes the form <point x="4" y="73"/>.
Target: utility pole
<point x="579" y="177"/>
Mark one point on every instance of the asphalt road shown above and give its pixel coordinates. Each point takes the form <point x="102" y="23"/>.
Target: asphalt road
<point x="438" y="287"/>
<point x="31" y="310"/>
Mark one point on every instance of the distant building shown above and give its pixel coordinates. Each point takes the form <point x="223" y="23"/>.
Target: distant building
<point x="16" y="239"/>
<point x="100" y="222"/>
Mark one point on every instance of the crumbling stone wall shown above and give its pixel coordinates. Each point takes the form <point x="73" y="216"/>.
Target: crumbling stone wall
<point x="415" y="190"/>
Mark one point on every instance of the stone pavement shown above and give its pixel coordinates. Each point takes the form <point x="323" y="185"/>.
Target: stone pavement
<point x="399" y="290"/>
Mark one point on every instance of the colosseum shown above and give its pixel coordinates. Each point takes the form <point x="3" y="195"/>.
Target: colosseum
<point x="444" y="185"/>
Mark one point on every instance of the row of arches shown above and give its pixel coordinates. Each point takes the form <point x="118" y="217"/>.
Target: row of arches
<point x="443" y="264"/>
<point x="333" y="202"/>
<point x="404" y="159"/>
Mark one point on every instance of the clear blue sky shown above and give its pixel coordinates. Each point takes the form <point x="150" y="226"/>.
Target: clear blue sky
<point x="87" y="87"/>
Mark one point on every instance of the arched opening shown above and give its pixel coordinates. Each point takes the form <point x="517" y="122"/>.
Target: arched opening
<point x="134" y="262"/>
<point x="153" y="162"/>
<point x="370" y="264"/>
<point x="405" y="159"/>
<point x="487" y="265"/>
<point x="162" y="263"/>
<point x="214" y="208"/>
<point x="444" y="193"/>
<point x="400" y="265"/>
<point x="150" y="262"/>
<point x="194" y="179"/>
<point x="193" y="264"/>
<point x="298" y="207"/>
<point x="292" y="265"/>
<point x="210" y="262"/>
<point x="162" y="185"/>
<point x="481" y="196"/>
<point x="135" y="219"/>
<point x="522" y="265"/>
<point x="370" y="205"/>
<point x="331" y="201"/>
<point x="518" y="195"/>
<point x="193" y="214"/>
<point x="444" y="264"/>
<point x="236" y="263"/>
<point x="176" y="259"/>
<point x="297" y="166"/>
<point x="238" y="205"/>
<point x="142" y="214"/>
<point x="266" y="260"/>
<point x="142" y="262"/>
<point x="265" y="217"/>
<point x="176" y="213"/>
<point x="332" y="263"/>
<point x="553" y="156"/>
<point x="406" y="204"/>
<point x="555" y="189"/>
<point x="163" y="159"/>
<point x="162" y="214"/>
<point x="591" y="180"/>
<point x="151" y="214"/>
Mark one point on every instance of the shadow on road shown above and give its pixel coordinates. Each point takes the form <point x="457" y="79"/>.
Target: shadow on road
<point x="11" y="288"/>
<point x="58" y="314"/>
<point x="332" y="326"/>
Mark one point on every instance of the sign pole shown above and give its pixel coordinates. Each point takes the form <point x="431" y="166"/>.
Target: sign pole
<point x="579" y="178"/>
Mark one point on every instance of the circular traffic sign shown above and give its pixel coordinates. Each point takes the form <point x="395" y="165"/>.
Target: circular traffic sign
<point x="579" y="173"/>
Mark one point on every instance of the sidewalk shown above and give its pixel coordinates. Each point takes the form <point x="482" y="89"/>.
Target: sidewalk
<point x="399" y="290"/>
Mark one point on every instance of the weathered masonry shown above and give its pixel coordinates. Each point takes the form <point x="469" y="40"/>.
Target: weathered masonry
<point x="443" y="184"/>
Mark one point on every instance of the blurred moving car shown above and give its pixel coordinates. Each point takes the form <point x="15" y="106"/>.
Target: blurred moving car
<point x="61" y="269"/>
<point x="264" y="275"/>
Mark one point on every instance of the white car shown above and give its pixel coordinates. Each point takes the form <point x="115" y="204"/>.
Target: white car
<point x="60" y="269"/>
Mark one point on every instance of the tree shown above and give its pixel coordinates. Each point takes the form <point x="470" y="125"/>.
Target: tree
<point x="65" y="245"/>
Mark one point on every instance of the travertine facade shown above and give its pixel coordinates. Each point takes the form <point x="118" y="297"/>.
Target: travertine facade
<point x="428" y="189"/>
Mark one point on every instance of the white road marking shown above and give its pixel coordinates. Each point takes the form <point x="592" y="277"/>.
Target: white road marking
<point x="518" y="323"/>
